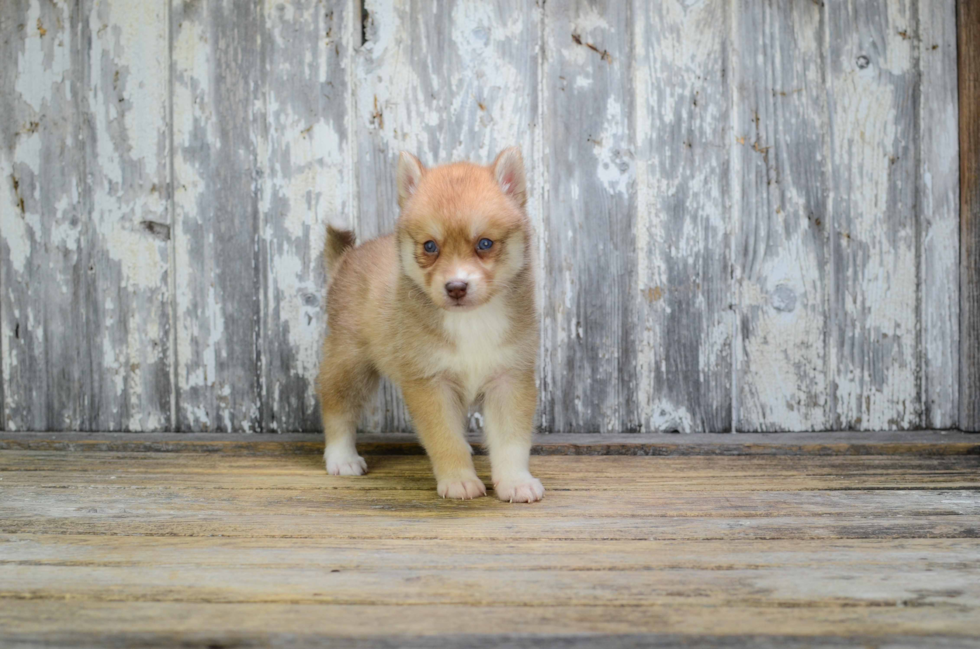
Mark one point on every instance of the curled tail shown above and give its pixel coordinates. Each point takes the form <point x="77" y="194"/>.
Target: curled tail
<point x="338" y="242"/>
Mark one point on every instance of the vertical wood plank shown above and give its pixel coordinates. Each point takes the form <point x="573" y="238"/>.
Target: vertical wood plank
<point x="968" y="27"/>
<point x="218" y="114"/>
<point x="454" y="81"/>
<point x="781" y="149"/>
<point x="306" y="184"/>
<point x="588" y="373"/>
<point x="84" y="226"/>
<point x="938" y="213"/>
<point x="12" y="24"/>
<point x="873" y="241"/>
<point x="683" y="228"/>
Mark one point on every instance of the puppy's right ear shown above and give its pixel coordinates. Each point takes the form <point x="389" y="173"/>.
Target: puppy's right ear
<point x="408" y="176"/>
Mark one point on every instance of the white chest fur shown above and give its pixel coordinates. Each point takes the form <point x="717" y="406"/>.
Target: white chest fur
<point x="479" y="350"/>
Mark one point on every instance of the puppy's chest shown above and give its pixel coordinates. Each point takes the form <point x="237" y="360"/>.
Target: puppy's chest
<point x="480" y="348"/>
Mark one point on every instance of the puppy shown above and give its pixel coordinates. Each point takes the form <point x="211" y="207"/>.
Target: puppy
<point x="444" y="307"/>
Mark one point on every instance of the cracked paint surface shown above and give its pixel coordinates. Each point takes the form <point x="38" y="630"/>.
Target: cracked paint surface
<point x="746" y="216"/>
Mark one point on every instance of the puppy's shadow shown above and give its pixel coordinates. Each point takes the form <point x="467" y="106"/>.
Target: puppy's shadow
<point x="310" y="461"/>
<point x="390" y="471"/>
<point x="396" y="484"/>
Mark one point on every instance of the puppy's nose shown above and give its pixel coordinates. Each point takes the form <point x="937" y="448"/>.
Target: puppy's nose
<point x="456" y="289"/>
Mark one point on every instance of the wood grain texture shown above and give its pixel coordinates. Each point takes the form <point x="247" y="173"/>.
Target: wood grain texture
<point x="588" y="211"/>
<point x="203" y="549"/>
<point x="780" y="155"/>
<point x="683" y="229"/>
<point x="457" y="82"/>
<point x="938" y="215"/>
<point x="968" y="26"/>
<point x="874" y="347"/>
<point x="84" y="224"/>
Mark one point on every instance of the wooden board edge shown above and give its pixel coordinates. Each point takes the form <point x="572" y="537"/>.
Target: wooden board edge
<point x="918" y="443"/>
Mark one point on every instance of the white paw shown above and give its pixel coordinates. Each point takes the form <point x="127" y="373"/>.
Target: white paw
<point x="523" y="488"/>
<point x="464" y="487"/>
<point x="345" y="463"/>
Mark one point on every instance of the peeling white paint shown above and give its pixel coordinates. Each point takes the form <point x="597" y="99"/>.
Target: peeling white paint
<point x="684" y="215"/>
<point x="43" y="64"/>
<point x="874" y="369"/>
<point x="96" y="294"/>
<point x="939" y="215"/>
<point x="16" y="236"/>
<point x="614" y="159"/>
<point x="849" y="323"/>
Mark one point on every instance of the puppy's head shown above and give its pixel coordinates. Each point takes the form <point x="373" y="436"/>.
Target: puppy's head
<point x="463" y="234"/>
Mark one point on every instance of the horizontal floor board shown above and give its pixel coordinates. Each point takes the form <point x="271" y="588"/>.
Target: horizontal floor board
<point x="407" y="526"/>
<point x="303" y="478"/>
<point x="165" y="622"/>
<point x="585" y="555"/>
<point x="162" y="500"/>
<point x="825" y="586"/>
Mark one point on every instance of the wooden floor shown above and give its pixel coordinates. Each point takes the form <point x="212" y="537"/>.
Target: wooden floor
<point x="251" y="545"/>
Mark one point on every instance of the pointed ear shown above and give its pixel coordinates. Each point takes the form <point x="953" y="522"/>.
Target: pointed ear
<point x="508" y="169"/>
<point x="407" y="176"/>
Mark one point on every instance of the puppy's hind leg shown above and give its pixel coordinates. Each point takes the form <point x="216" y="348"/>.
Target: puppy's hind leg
<point x="344" y="384"/>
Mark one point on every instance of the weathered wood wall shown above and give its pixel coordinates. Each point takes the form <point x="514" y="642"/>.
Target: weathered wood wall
<point x="747" y="212"/>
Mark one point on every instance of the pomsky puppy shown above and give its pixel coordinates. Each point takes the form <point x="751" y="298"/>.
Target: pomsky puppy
<point x="444" y="307"/>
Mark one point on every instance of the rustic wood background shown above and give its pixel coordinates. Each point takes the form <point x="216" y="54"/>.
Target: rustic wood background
<point x="747" y="212"/>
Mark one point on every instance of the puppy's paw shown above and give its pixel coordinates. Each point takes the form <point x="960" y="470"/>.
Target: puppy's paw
<point x="464" y="487"/>
<point x="344" y="463"/>
<point x="522" y="488"/>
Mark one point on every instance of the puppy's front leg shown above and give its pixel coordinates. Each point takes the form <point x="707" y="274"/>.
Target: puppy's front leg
<point x="437" y="412"/>
<point x="508" y="408"/>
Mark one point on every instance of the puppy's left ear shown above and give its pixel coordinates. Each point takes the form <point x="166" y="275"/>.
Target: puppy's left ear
<point x="508" y="169"/>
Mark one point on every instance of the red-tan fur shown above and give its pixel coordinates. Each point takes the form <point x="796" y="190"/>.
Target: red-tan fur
<point x="390" y="313"/>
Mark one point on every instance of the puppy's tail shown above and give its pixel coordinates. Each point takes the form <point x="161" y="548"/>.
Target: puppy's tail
<point x="338" y="242"/>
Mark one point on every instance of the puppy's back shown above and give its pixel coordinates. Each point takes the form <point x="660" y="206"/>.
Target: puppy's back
<point x="358" y="279"/>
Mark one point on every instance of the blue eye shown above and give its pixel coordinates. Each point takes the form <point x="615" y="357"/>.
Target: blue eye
<point x="485" y="244"/>
<point x="430" y="247"/>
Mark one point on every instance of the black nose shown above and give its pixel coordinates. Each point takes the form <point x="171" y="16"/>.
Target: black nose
<point x="456" y="290"/>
